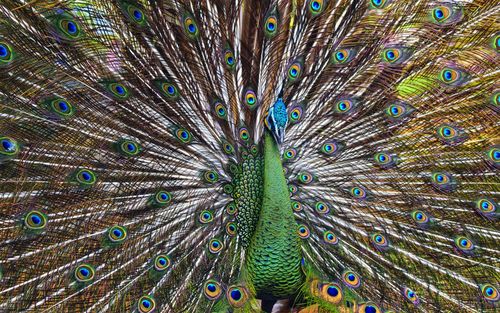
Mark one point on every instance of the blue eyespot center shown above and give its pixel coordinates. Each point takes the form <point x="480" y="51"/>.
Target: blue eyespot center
<point x="390" y="55"/>
<point x="340" y="56"/>
<point x="315" y="5"/>
<point x="146" y="303"/>
<point x="230" y="60"/>
<point x="378" y="238"/>
<point x="117" y="232"/>
<point x="332" y="291"/>
<point x="36" y="219"/>
<point x="163" y="196"/>
<point x="120" y="90"/>
<point x="162" y="261"/>
<point x="86" y="176"/>
<point x="85" y="272"/>
<point x="329" y="236"/>
<point x="370" y="309"/>
<point x="71" y="27"/>
<point x="439" y="178"/>
<point x="485" y="205"/>
<point x="170" y="90"/>
<point x="191" y="28"/>
<point x="411" y="294"/>
<point x="496" y="155"/>
<point x="3" y="51"/>
<point x="419" y="216"/>
<point x="215" y="244"/>
<point x="236" y="294"/>
<point x="489" y="291"/>
<point x="184" y="135"/>
<point x="8" y="145"/>
<point x="342" y="106"/>
<point x="447" y="75"/>
<point x="137" y="14"/>
<point x="463" y="242"/>
<point x="439" y="13"/>
<point x="302" y="230"/>
<point x="211" y="287"/>
<point x="271" y="26"/>
<point x="293" y="72"/>
<point x="63" y="106"/>
<point x="351" y="277"/>
<point x="447" y="131"/>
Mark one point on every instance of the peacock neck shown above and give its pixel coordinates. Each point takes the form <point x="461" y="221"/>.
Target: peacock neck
<point x="274" y="255"/>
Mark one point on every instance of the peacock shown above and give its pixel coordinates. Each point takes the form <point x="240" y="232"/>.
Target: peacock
<point x="240" y="156"/>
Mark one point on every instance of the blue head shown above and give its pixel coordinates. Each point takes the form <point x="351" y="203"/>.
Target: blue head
<point x="277" y="119"/>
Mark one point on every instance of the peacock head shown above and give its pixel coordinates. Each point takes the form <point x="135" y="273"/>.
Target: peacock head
<point x="277" y="120"/>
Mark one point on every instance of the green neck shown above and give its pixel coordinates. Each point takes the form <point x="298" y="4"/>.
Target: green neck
<point x="274" y="255"/>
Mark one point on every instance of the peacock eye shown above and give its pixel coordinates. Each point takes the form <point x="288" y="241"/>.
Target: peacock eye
<point x="331" y="293"/>
<point x="452" y="76"/>
<point x="441" y="13"/>
<point x="493" y="154"/>
<point x="231" y="229"/>
<point x="305" y="178"/>
<point x="183" y="135"/>
<point x="271" y="26"/>
<point x="295" y="71"/>
<point x="215" y="246"/>
<point x="231" y="208"/>
<point x="84" y="273"/>
<point x="330" y="238"/>
<point x="8" y="147"/>
<point x="205" y="217"/>
<point x="490" y="293"/>
<point x="343" y="56"/>
<point x="146" y="304"/>
<point x="379" y="241"/>
<point x="212" y="289"/>
<point x="344" y="106"/>
<point x="229" y="59"/>
<point x="369" y="307"/>
<point x="303" y="231"/>
<point x="295" y="114"/>
<point x="169" y="90"/>
<point x="244" y="135"/>
<point x="410" y="295"/>
<point x="296" y="206"/>
<point x="250" y="98"/>
<point x="464" y="244"/>
<point x="85" y="177"/>
<point x="316" y="7"/>
<point x="35" y="220"/>
<point x="162" y="262"/>
<point x="321" y="207"/>
<point x="290" y="154"/>
<point x="351" y="279"/>
<point x="378" y="4"/>
<point x="227" y="147"/>
<point x="358" y="193"/>
<point x="69" y="27"/>
<point x="237" y="296"/>
<point x="117" y="234"/>
<point x="117" y="90"/>
<point x="211" y="177"/>
<point x="135" y="14"/>
<point x="6" y="55"/>
<point x="190" y="27"/>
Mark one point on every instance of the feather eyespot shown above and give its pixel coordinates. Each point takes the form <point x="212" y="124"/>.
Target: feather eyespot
<point x="351" y="279"/>
<point x="190" y="27"/>
<point x="321" y="207"/>
<point x="271" y="24"/>
<point x="293" y="189"/>
<point x="330" y="238"/>
<point x="385" y="160"/>
<point x="227" y="147"/>
<point x="146" y="304"/>
<point x="244" y="134"/>
<point x="250" y="99"/>
<point x="368" y="307"/>
<point x="183" y="135"/>
<point x="231" y="229"/>
<point x="303" y="231"/>
<point x="295" y="114"/>
<point x="343" y="56"/>
<point x="84" y="273"/>
<point x="215" y="246"/>
<point x="205" y="217"/>
<point x="35" y="220"/>
<point x="358" y="193"/>
<point x="296" y="206"/>
<point x="61" y="107"/>
<point x="398" y="110"/>
<point x="162" y="262"/>
<point x="344" y="106"/>
<point x="162" y="198"/>
<point x="379" y="241"/>
<point x="421" y="218"/>
<point x="443" y="181"/>
<point x="135" y="14"/>
<point x="305" y="178"/>
<point x="211" y="177"/>
<point x="212" y="289"/>
<point x="379" y="4"/>
<point x="493" y="155"/>
<point x="411" y="296"/>
<point x="295" y="71"/>
<point x="486" y="207"/>
<point x="8" y="147"/>
<point x="331" y="292"/>
<point x="316" y="6"/>
<point x="450" y="134"/>
<point x="290" y="154"/>
<point x="332" y="147"/>
<point x="229" y="59"/>
<point x="117" y="234"/>
<point x="128" y="147"/>
<point x="464" y="245"/>
<point x="6" y="55"/>
<point x="391" y="55"/>
<point x="446" y="14"/>
<point x="69" y="27"/>
<point x="452" y="76"/>
<point x="237" y="296"/>
<point x="231" y="208"/>
<point x="490" y="293"/>
<point x="85" y="177"/>
<point x="117" y="90"/>
<point x="168" y="89"/>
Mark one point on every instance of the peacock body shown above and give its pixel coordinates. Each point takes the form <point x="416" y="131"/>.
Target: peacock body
<point x="224" y="156"/>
